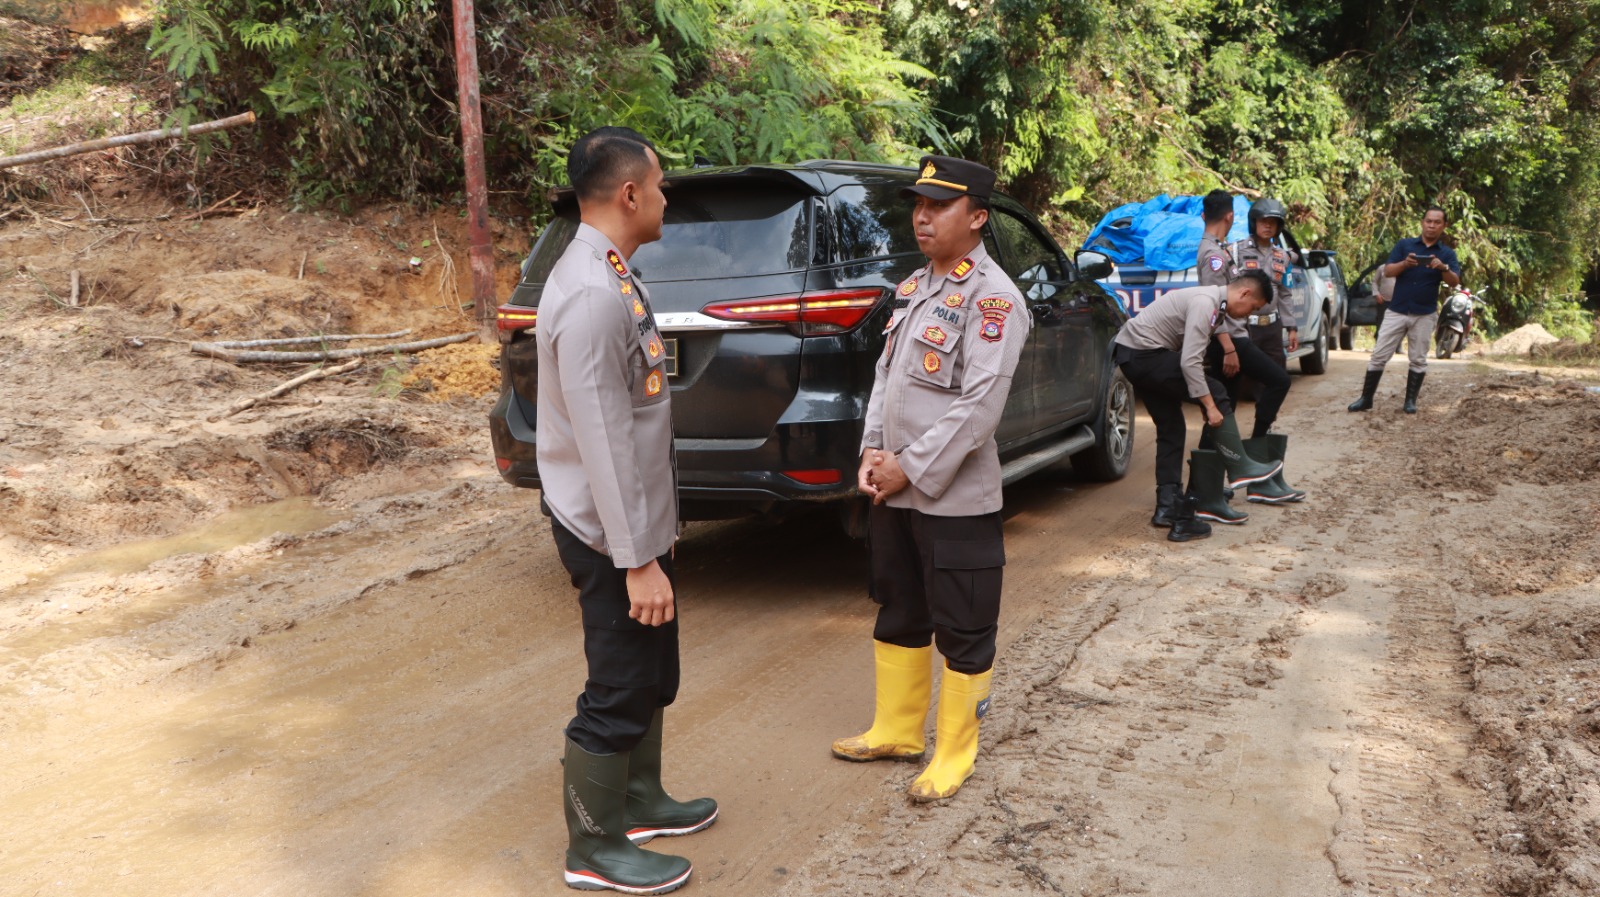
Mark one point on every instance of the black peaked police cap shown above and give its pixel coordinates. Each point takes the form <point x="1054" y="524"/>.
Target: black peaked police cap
<point x="941" y="177"/>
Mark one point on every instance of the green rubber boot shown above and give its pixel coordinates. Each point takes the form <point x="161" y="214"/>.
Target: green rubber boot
<point x="1273" y="491"/>
<point x="599" y="855"/>
<point x="1242" y="469"/>
<point x="1205" y="484"/>
<point x="652" y="813"/>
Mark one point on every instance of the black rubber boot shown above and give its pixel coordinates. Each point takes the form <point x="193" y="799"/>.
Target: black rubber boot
<point x="1185" y="525"/>
<point x="1368" y="390"/>
<point x="1242" y="469"/>
<point x="1413" y="386"/>
<point x="652" y="812"/>
<point x="1166" y="503"/>
<point x="1205" y="484"/>
<point x="599" y="855"/>
<point x="1274" y="491"/>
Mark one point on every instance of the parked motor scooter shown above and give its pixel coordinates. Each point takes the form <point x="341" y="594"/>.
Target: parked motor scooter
<point x="1455" y="321"/>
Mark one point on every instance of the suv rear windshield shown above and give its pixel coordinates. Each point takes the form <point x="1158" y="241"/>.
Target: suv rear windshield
<point x="873" y="222"/>
<point x="710" y="231"/>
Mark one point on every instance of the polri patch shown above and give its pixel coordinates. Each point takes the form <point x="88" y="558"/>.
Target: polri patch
<point x="994" y="305"/>
<point x="931" y="362"/>
<point x="954" y="300"/>
<point x="616" y="263"/>
<point x="962" y="270"/>
<point x="935" y="335"/>
<point x="652" y="384"/>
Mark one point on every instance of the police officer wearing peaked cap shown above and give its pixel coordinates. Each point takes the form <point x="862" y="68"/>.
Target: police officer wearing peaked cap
<point x="610" y="486"/>
<point x="931" y="466"/>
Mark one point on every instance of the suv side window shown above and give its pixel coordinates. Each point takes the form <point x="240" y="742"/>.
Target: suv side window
<point x="872" y="222"/>
<point x="1031" y="261"/>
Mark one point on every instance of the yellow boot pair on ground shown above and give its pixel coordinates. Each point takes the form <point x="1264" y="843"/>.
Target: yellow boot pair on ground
<point x="904" y="690"/>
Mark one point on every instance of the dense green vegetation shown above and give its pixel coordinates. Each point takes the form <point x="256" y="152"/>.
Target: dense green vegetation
<point x="1357" y="114"/>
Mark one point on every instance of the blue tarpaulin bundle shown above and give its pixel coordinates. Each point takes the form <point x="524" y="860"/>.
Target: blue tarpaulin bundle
<point x="1161" y="233"/>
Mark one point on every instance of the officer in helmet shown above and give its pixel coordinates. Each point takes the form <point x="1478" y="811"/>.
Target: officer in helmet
<point x="1274" y="329"/>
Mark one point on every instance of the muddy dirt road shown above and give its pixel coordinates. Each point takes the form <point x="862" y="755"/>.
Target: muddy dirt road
<point x="1317" y="703"/>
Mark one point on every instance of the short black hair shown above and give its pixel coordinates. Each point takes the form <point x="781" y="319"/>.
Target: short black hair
<point x="1260" y="281"/>
<point x="1216" y="205"/>
<point x="604" y="158"/>
<point x="977" y="203"/>
<point x="1439" y="209"/>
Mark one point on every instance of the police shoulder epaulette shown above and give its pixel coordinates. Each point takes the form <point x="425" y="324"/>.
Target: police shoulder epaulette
<point x="963" y="270"/>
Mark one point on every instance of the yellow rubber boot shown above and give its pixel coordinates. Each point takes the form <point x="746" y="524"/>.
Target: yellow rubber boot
<point x="963" y="700"/>
<point x="904" y="686"/>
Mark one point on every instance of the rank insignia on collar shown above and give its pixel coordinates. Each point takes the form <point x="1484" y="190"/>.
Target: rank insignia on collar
<point x="638" y="309"/>
<point x="992" y="330"/>
<point x="627" y="287"/>
<point x="996" y="305"/>
<point x="962" y="269"/>
<point x="954" y="300"/>
<point x="931" y="362"/>
<point x="655" y="347"/>
<point x="929" y="171"/>
<point x="616" y="263"/>
<point x="908" y="287"/>
<point x="652" y="384"/>
<point x="935" y="335"/>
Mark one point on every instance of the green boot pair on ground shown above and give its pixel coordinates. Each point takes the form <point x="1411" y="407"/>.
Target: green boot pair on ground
<point x="1261" y="472"/>
<point x="614" y="803"/>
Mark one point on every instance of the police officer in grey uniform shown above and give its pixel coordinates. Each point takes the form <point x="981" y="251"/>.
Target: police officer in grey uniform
<point x="1233" y="352"/>
<point x="931" y="466"/>
<point x="1275" y="327"/>
<point x="609" y="482"/>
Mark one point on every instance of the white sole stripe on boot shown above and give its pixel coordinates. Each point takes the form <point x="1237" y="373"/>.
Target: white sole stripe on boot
<point x="643" y="835"/>
<point x="1231" y="521"/>
<point x="1235" y="484"/>
<point x="592" y="881"/>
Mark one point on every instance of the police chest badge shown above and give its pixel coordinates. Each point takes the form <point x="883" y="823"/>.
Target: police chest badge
<point x="954" y="300"/>
<point x="931" y="362"/>
<point x="652" y="384"/>
<point x="1215" y="262"/>
<point x="908" y="287"/>
<point x="935" y="335"/>
<point x="616" y="263"/>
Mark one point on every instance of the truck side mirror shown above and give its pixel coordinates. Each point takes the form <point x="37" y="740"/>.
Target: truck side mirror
<point x="1093" y="265"/>
<point x="1316" y="258"/>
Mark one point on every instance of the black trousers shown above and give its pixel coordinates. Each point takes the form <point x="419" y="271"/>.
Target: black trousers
<point x="1157" y="376"/>
<point x="937" y="579"/>
<point x="1271" y="377"/>
<point x="633" y="668"/>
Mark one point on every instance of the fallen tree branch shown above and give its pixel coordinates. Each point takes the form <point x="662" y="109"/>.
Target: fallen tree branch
<point x="286" y="386"/>
<point x="213" y="351"/>
<point x="209" y="209"/>
<point x="296" y="340"/>
<point x="89" y="146"/>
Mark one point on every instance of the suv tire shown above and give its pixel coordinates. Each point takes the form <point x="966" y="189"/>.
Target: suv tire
<point x="1113" y="434"/>
<point x="1317" y="361"/>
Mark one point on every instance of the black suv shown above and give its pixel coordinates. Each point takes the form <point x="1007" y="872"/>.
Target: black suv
<point x="772" y="286"/>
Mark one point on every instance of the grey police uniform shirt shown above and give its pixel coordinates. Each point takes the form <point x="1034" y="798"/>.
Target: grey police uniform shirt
<point x="942" y="381"/>
<point x="1183" y="321"/>
<point x="605" y="412"/>
<point x="1214" y="262"/>
<point x="1274" y="262"/>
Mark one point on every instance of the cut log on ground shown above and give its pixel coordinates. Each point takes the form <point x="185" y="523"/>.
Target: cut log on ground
<point x="298" y="340"/>
<point x="89" y="146"/>
<point x="286" y="386"/>
<point x="214" y="351"/>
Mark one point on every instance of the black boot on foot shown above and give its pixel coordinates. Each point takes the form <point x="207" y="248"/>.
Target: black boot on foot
<point x="1413" y="386"/>
<point x="1368" y="390"/>
<point x="1185" y="525"/>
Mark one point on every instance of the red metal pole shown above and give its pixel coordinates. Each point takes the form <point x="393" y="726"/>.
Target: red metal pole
<point x="481" y="246"/>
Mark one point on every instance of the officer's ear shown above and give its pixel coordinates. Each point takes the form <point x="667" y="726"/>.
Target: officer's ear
<point x="980" y="216"/>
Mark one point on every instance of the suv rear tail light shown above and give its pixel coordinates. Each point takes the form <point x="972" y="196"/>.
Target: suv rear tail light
<point x="815" y="477"/>
<point x="508" y="319"/>
<point x="809" y="314"/>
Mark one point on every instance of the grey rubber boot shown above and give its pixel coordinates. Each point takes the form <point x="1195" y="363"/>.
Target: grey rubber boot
<point x="1242" y="469"/>
<point x="594" y="791"/>
<point x="1166" y="503"/>
<point x="652" y="813"/>
<point x="1274" y="491"/>
<point x="1205" y="484"/>
<point x="1368" y="390"/>
<point x="1413" y="386"/>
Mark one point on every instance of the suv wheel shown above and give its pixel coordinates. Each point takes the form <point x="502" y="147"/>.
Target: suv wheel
<point x="1317" y="361"/>
<point x="1113" y="434"/>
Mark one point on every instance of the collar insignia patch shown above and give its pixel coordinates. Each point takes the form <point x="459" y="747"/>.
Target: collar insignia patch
<point x="954" y="300"/>
<point x="931" y="362"/>
<point x="638" y="309"/>
<point x="962" y="269"/>
<point x="935" y="335"/>
<point x="655" y="347"/>
<point x="616" y="263"/>
<point x="652" y="384"/>
<point x="627" y="288"/>
<point x="908" y="287"/>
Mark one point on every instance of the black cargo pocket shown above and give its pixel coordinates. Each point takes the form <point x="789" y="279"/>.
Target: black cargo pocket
<point x="621" y="651"/>
<point x="966" y="582"/>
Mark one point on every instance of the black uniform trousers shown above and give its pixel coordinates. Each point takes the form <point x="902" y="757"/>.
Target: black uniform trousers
<point x="1271" y="378"/>
<point x="633" y="668"/>
<point x="1157" y="376"/>
<point x="937" y="579"/>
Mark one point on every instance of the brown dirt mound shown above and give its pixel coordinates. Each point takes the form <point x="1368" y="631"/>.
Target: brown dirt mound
<point x="253" y="303"/>
<point x="462" y="370"/>
<point x="1513" y="429"/>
